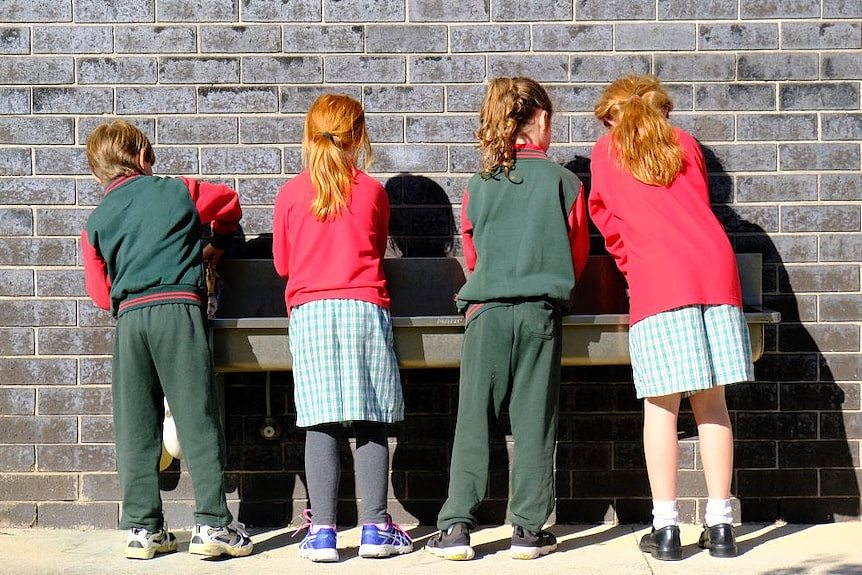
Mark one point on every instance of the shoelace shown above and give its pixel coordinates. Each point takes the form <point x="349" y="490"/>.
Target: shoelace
<point x="398" y="527"/>
<point x="306" y="515"/>
<point x="239" y="528"/>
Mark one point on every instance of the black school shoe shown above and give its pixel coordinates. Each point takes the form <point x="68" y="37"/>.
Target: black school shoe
<point x="452" y="544"/>
<point x="528" y="544"/>
<point x="719" y="540"/>
<point x="664" y="543"/>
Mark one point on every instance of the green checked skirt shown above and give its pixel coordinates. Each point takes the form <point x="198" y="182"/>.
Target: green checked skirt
<point x="690" y="349"/>
<point x="344" y="365"/>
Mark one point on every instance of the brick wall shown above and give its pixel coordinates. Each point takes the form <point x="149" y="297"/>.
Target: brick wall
<point x="771" y="88"/>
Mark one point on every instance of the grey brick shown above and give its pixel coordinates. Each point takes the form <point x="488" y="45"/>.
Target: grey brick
<point x="238" y="100"/>
<point x="75" y="457"/>
<point x="16" y="283"/>
<point x="776" y="188"/>
<point x="403" y="98"/>
<point x="79" y="515"/>
<point x="706" y="127"/>
<point x="406" y="38"/>
<point x="75" y="401"/>
<point x="820" y="218"/>
<point x="820" y="156"/>
<point x="607" y="68"/>
<point x="794" y="248"/>
<point x="655" y="36"/>
<point x="219" y="130"/>
<point x="15" y="341"/>
<point x="76" y="341"/>
<point x="740" y="97"/>
<point x="39" y="487"/>
<point x="840" y="307"/>
<point x="277" y="130"/>
<point x="198" y="11"/>
<point x="90" y="192"/>
<point x="464" y="98"/>
<point x="843" y="367"/>
<point x="95" y="370"/>
<point x="362" y="11"/>
<point x="339" y="38"/>
<point x="206" y="70"/>
<point x="614" y="10"/>
<point x="16" y="222"/>
<point x="414" y="159"/>
<point x="258" y="220"/>
<point x="27" y="371"/>
<point x="841" y="187"/>
<point x="100" y="487"/>
<point x="17" y="401"/>
<point x="155" y="39"/>
<point x="443" y="11"/>
<point x="686" y="10"/>
<point x="45" y="252"/>
<point x="61" y="222"/>
<point x="73" y="101"/>
<point x="60" y="283"/>
<point x="88" y="314"/>
<point x="382" y="69"/>
<point x="532" y="11"/>
<point x="704" y="67"/>
<point x="842" y="9"/>
<point x="254" y="191"/>
<point x="497" y="38"/>
<point x="559" y="38"/>
<point x="840" y="248"/>
<point x="114" y="11"/>
<point x="282" y="69"/>
<point x="14" y="101"/>
<point x="571" y="98"/>
<point x="820" y="35"/>
<point x="156" y="100"/>
<point x="27" y="191"/>
<point x="447" y="69"/>
<point x="440" y="129"/>
<point x="820" y="278"/>
<point x="61" y="161"/>
<point x="542" y="68"/>
<point x="743" y="36"/>
<point x="681" y="95"/>
<point x="176" y="160"/>
<point x="29" y="313"/>
<point x="742" y="157"/>
<point x="298" y="99"/>
<point x="73" y="40"/>
<point x="841" y="66"/>
<point x="777" y="127"/>
<point x="37" y="131"/>
<point x="37" y="70"/>
<point x="121" y="70"/>
<point x="281" y="11"/>
<point x="87" y="125"/>
<point x="16" y="458"/>
<point x="786" y="66"/>
<point x="585" y="128"/>
<point x="29" y="11"/>
<point x="15" y="162"/>
<point x="33" y="430"/>
<point x="841" y="126"/>
<point x="245" y="160"/>
<point x="97" y="429"/>
<point x="464" y="159"/>
<point x="234" y="39"/>
<point x="822" y="96"/>
<point x="14" y="40"/>
<point x="753" y="9"/>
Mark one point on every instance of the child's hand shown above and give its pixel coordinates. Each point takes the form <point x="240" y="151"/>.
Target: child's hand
<point x="212" y="255"/>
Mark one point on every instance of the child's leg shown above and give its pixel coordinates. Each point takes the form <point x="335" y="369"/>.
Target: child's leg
<point x="372" y="470"/>
<point x="716" y="440"/>
<point x="533" y="412"/>
<point x="178" y="339"/>
<point x="661" y="447"/>
<point x="322" y="471"/>
<point x="138" y="413"/>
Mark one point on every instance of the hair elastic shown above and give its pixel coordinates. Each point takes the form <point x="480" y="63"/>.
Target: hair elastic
<point x="634" y="97"/>
<point x="328" y="136"/>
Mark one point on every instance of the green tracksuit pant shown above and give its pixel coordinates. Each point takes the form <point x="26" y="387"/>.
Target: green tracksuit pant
<point x="163" y="351"/>
<point x="507" y="348"/>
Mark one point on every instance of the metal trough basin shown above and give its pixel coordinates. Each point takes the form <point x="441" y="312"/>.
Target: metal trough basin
<point x="250" y="330"/>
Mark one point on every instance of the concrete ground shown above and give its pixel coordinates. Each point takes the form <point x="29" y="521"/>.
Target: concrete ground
<point x="777" y="549"/>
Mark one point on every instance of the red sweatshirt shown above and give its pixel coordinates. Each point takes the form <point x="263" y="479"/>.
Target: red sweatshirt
<point x="341" y="258"/>
<point x="666" y="241"/>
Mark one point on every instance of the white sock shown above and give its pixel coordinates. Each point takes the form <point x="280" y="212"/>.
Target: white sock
<point x="664" y="513"/>
<point x="718" y="511"/>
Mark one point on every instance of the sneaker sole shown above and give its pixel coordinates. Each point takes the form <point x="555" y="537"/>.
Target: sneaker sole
<point x="148" y="553"/>
<point x="460" y="553"/>
<point x="371" y="551"/>
<point x="520" y="552"/>
<point x="215" y="550"/>
<point x="319" y="555"/>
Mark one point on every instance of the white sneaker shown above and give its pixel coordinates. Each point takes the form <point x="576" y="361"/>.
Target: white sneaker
<point x="230" y="540"/>
<point x="143" y="544"/>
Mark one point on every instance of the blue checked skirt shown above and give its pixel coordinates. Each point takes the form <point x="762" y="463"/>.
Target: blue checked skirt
<point x="344" y="365"/>
<point x="690" y="349"/>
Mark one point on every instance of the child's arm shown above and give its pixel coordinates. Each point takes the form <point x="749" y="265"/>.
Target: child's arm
<point x="579" y="233"/>
<point x="467" y="235"/>
<point x="96" y="279"/>
<point x="217" y="205"/>
<point x="383" y="222"/>
<point x="280" y="245"/>
<point x="606" y="222"/>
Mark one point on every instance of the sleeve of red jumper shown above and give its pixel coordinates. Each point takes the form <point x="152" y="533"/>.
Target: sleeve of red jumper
<point x="96" y="280"/>
<point x="607" y="224"/>
<point x="217" y="205"/>
<point x="280" y="243"/>
<point x="579" y="233"/>
<point x="467" y="235"/>
<point x="383" y="223"/>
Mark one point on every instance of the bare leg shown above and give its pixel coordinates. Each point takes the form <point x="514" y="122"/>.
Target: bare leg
<point x="716" y="440"/>
<point x="661" y="447"/>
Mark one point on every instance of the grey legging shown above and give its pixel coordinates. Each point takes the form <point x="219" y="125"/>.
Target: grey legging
<point x="323" y="469"/>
